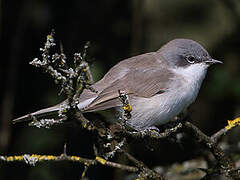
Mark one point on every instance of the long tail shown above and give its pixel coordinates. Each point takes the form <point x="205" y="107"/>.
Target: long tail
<point x="51" y="111"/>
<point x="86" y="99"/>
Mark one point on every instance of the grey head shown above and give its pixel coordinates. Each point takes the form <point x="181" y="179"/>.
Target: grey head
<point x="184" y="53"/>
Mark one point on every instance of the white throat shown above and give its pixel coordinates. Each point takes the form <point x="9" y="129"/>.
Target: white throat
<point x="191" y="80"/>
<point x="194" y="74"/>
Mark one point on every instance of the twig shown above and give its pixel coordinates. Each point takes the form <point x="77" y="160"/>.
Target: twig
<point x="126" y="107"/>
<point x="73" y="79"/>
<point x="154" y="134"/>
<point x="116" y="165"/>
<point x="145" y="172"/>
<point x="231" y="124"/>
<point x="34" y="158"/>
<point x="226" y="166"/>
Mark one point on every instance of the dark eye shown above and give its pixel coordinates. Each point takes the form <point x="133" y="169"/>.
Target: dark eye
<point x="190" y="59"/>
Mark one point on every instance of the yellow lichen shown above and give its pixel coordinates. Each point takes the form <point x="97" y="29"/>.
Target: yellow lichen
<point x="50" y="157"/>
<point x="10" y="158"/>
<point x="75" y="158"/>
<point x="83" y="174"/>
<point x="18" y="158"/>
<point x="43" y="157"/>
<point x="233" y="123"/>
<point x="101" y="160"/>
<point x="49" y="37"/>
<point x="35" y="156"/>
<point x="127" y="108"/>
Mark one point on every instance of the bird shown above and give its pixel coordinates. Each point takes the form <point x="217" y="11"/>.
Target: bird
<point x="160" y="85"/>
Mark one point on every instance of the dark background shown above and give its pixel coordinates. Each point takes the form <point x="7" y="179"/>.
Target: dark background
<point x="117" y="30"/>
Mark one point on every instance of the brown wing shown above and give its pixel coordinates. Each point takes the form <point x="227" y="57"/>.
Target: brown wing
<point x="117" y="72"/>
<point x="142" y="82"/>
<point x="121" y="69"/>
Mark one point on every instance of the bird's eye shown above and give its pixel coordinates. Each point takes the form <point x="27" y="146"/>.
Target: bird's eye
<point x="190" y="59"/>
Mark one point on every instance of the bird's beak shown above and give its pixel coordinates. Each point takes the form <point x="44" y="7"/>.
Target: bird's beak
<point x="213" y="61"/>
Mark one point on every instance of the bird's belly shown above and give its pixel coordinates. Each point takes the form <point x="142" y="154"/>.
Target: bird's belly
<point x="160" y="109"/>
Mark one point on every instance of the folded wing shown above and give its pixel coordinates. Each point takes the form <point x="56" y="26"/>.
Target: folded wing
<point x="141" y="82"/>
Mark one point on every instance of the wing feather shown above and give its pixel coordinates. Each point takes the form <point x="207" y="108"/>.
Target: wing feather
<point x="142" y="82"/>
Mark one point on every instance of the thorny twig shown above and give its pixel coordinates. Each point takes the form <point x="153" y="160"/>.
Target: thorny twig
<point x="73" y="80"/>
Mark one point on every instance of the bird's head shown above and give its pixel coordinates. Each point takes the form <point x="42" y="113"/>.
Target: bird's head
<point x="186" y="52"/>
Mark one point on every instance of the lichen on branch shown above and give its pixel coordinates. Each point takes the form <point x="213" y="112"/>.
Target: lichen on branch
<point x="72" y="75"/>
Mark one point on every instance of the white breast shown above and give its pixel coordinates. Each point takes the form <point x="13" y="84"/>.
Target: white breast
<point x="193" y="77"/>
<point x="161" y="108"/>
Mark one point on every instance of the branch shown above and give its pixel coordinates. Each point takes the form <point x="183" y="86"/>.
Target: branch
<point x="33" y="159"/>
<point x="225" y="164"/>
<point x="231" y="125"/>
<point x="154" y="134"/>
<point x="145" y="172"/>
<point x="72" y="79"/>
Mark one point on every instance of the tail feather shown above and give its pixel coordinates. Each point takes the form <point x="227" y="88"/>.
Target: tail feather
<point x="86" y="98"/>
<point x="51" y="111"/>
